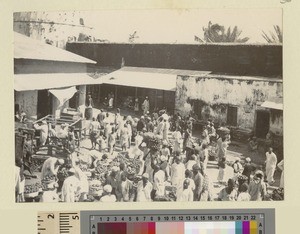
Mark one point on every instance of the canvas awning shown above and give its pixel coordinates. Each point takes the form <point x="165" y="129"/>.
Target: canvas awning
<point x="141" y="79"/>
<point x="63" y="94"/>
<point x="276" y="104"/>
<point x="25" y="82"/>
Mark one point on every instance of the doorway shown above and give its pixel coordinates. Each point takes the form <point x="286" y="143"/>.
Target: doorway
<point x="73" y="101"/>
<point x="232" y="112"/>
<point x="262" y="123"/>
<point x="44" y="104"/>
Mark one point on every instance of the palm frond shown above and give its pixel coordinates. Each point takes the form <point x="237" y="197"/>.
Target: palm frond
<point x="273" y="37"/>
<point x="215" y="33"/>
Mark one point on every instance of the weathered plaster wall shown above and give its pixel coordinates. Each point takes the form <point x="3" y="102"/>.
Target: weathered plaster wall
<point x="27" y="101"/>
<point x="216" y="93"/>
<point x="56" y="28"/>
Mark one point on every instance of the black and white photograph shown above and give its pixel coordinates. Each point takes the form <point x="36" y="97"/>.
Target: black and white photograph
<point x="148" y="105"/>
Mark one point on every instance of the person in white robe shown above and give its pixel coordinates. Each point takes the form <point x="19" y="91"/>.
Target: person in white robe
<point x="71" y="187"/>
<point x="144" y="188"/>
<point x="43" y="128"/>
<point x="51" y="167"/>
<point x="271" y="162"/>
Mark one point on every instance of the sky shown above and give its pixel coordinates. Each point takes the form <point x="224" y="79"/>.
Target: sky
<point x="178" y="26"/>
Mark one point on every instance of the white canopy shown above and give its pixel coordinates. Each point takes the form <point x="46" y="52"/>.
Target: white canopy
<point x="63" y="94"/>
<point x="141" y="79"/>
<point x="24" y="82"/>
<point x="276" y="104"/>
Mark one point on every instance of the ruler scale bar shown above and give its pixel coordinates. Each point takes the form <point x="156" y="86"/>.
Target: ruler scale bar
<point x="251" y="221"/>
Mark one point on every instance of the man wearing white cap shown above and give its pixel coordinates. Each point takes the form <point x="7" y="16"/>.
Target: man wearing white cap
<point x="257" y="187"/>
<point x="237" y="166"/>
<point x="271" y="163"/>
<point x="114" y="180"/>
<point x="43" y="128"/>
<point x="249" y="168"/>
<point x="189" y="165"/>
<point x="178" y="174"/>
<point x="108" y="197"/>
<point x="146" y="106"/>
<point x="144" y="188"/>
<point x="71" y="187"/>
<point x="187" y="194"/>
<point x="166" y="128"/>
<point x="165" y="149"/>
<point x="159" y="181"/>
<point x="51" y="166"/>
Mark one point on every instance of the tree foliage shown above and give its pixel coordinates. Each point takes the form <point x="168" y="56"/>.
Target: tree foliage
<point x="273" y="37"/>
<point x="216" y="33"/>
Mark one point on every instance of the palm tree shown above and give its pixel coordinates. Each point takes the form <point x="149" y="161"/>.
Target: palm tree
<point x="132" y="37"/>
<point x="216" y="33"/>
<point x="273" y="37"/>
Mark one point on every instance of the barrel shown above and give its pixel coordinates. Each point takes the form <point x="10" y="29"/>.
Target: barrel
<point x="88" y="113"/>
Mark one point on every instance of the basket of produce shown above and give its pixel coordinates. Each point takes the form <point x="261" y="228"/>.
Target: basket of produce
<point x="95" y="188"/>
<point x="62" y="174"/>
<point x="83" y="166"/>
<point x="277" y="194"/>
<point x="102" y="168"/>
<point x="153" y="141"/>
<point x="49" y="179"/>
<point x="32" y="190"/>
<point x="170" y="189"/>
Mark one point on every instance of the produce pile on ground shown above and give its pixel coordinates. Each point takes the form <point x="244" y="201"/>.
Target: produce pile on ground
<point x="32" y="188"/>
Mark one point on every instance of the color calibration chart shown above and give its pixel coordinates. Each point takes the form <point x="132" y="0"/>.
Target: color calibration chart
<point x="221" y="221"/>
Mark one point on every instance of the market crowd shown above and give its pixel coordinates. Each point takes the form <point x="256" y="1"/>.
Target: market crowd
<point x="151" y="158"/>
